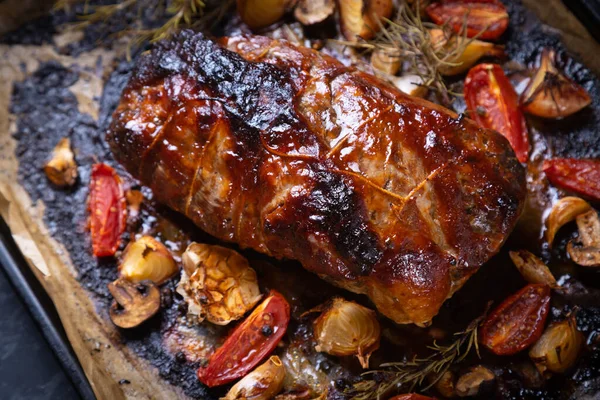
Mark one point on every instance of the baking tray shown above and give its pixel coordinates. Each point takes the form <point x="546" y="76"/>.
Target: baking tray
<point x="42" y="310"/>
<point x="41" y="307"/>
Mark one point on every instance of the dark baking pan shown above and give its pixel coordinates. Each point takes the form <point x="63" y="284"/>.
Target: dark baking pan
<point x="42" y="310"/>
<point x="588" y="12"/>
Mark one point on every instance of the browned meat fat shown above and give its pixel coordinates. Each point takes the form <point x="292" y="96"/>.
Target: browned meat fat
<point x="284" y="150"/>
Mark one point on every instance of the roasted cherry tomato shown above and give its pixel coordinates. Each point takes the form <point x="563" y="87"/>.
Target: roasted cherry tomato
<point x="108" y="210"/>
<point x="249" y="343"/>
<point x="411" y="396"/>
<point x="494" y="104"/>
<point x="580" y="176"/>
<point x="488" y="18"/>
<point x="518" y="321"/>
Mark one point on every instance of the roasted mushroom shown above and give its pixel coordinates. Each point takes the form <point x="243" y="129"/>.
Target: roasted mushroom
<point x="217" y="283"/>
<point x="134" y="303"/>
<point x="61" y="170"/>
<point x="550" y="94"/>
<point x="563" y="212"/>
<point x="261" y="384"/>
<point x="586" y="250"/>
<point x="310" y="12"/>
<point x="361" y="18"/>
<point x="147" y="259"/>
<point x="474" y="381"/>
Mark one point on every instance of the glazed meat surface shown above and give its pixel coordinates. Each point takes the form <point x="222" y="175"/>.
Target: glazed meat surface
<point x="286" y="151"/>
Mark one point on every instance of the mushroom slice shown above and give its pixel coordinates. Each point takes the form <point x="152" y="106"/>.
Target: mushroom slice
<point x="361" y="18"/>
<point x="532" y="268"/>
<point x="550" y="94"/>
<point x="563" y="212"/>
<point x="310" y="12"/>
<point x="62" y="169"/>
<point x="134" y="302"/>
<point x="217" y="283"/>
<point x="586" y="251"/>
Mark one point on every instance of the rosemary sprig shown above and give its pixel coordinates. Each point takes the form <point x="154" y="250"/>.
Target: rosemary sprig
<point x="413" y="373"/>
<point x="422" y="54"/>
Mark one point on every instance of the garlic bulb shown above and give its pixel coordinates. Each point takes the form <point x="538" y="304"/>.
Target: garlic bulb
<point x="147" y="258"/>
<point x="558" y="347"/>
<point x="346" y="328"/>
<point x="261" y="384"/>
<point x="217" y="283"/>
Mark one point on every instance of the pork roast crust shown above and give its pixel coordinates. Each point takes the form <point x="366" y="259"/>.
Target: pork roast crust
<point x="286" y="151"/>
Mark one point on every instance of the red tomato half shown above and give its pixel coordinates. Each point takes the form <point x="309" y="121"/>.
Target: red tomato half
<point x="518" y="321"/>
<point x="580" y="176"/>
<point x="494" y="104"/>
<point x="108" y="210"/>
<point x="249" y="343"/>
<point x="488" y="18"/>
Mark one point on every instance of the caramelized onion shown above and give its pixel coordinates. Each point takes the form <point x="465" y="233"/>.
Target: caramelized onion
<point x="261" y="13"/>
<point x="346" y="328"/>
<point x="563" y="212"/>
<point x="532" y="268"/>
<point x="147" y="259"/>
<point x="550" y="94"/>
<point x="261" y="384"/>
<point x="62" y="169"/>
<point x="471" y="53"/>
<point x="558" y="347"/>
<point x="361" y="18"/>
<point x="217" y="283"/>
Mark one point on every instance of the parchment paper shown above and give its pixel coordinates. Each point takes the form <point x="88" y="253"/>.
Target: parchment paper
<point x="95" y="341"/>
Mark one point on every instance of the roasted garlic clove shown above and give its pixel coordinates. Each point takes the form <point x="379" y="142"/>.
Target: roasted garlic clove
<point x="134" y="302"/>
<point x="217" y="283"/>
<point x="310" y="12"/>
<point x="563" y="212"/>
<point x="532" y="268"/>
<point x="461" y="53"/>
<point x="262" y="13"/>
<point x="261" y="384"/>
<point x="473" y="382"/>
<point x="586" y="250"/>
<point x="558" y="348"/>
<point x="61" y="170"/>
<point x="386" y="60"/>
<point x="445" y="385"/>
<point x="550" y="94"/>
<point x="346" y="328"/>
<point x="147" y="259"/>
<point x="412" y="85"/>
<point x="134" y="198"/>
<point x="362" y="18"/>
